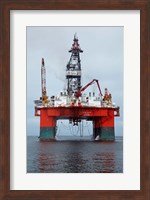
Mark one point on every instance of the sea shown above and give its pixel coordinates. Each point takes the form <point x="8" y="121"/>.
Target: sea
<point x="70" y="154"/>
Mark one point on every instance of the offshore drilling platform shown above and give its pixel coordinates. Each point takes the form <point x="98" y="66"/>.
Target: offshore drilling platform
<point x="75" y="105"/>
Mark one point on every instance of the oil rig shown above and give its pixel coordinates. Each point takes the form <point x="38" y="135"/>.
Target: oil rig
<point x="74" y="104"/>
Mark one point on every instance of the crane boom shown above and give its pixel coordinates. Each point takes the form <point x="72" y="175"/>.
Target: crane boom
<point x="78" y="94"/>
<point x="43" y="78"/>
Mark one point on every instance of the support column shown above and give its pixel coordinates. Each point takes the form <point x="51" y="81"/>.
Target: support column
<point x="104" y="127"/>
<point x="47" y="126"/>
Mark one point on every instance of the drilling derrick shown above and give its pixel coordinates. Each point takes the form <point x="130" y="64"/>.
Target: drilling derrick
<point x="73" y="68"/>
<point x="74" y="104"/>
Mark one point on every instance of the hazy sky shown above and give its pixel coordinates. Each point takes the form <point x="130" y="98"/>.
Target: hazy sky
<point x="102" y="58"/>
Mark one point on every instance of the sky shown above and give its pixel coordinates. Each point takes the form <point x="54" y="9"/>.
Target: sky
<point x="102" y="59"/>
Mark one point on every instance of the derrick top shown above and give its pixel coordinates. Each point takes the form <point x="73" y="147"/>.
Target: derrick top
<point x="75" y="46"/>
<point x="43" y="62"/>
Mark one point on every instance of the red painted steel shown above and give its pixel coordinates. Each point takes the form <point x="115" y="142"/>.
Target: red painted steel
<point x="45" y="120"/>
<point x="102" y="117"/>
<point x="79" y="93"/>
<point x="107" y="121"/>
<point x="76" y="112"/>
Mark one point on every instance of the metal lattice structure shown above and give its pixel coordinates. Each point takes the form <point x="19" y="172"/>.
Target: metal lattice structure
<point x="43" y="78"/>
<point x="73" y="68"/>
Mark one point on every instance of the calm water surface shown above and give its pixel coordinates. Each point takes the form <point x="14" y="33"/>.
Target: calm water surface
<point x="79" y="156"/>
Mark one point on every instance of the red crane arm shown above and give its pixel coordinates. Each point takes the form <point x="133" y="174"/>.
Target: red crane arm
<point x="99" y="87"/>
<point x="82" y="89"/>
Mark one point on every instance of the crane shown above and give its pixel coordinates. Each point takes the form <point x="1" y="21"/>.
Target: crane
<point x="43" y="78"/>
<point x="78" y="93"/>
<point x="43" y="83"/>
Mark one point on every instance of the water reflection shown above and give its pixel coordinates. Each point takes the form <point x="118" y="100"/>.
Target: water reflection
<point x="75" y="157"/>
<point x="104" y="162"/>
<point x="76" y="163"/>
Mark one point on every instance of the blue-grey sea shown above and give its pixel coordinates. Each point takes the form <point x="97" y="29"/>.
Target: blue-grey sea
<point x="74" y="155"/>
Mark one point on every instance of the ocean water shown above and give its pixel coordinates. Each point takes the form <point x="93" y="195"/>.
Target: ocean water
<point x="74" y="155"/>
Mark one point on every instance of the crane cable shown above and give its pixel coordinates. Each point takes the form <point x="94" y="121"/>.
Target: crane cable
<point x="88" y="125"/>
<point x="73" y="131"/>
<point x="58" y="129"/>
<point x="71" y="128"/>
<point x="66" y="127"/>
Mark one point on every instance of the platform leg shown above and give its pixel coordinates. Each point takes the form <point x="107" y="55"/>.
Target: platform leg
<point x="103" y="127"/>
<point x="47" y="127"/>
<point x="47" y="133"/>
